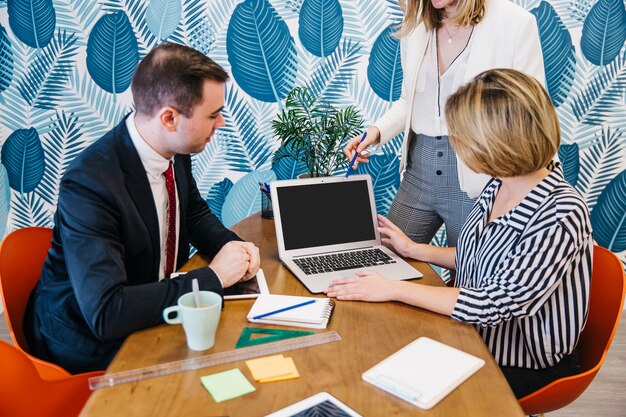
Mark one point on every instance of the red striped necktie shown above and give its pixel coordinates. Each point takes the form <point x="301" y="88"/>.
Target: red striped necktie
<point x="170" y="248"/>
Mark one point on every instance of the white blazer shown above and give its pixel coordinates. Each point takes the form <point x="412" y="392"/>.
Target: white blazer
<point x="506" y="37"/>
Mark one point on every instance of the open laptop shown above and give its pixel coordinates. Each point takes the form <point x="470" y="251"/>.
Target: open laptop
<point x="326" y="228"/>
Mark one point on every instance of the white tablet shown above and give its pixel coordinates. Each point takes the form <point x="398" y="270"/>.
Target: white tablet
<point x="423" y="372"/>
<point x="251" y="288"/>
<point x="322" y="405"/>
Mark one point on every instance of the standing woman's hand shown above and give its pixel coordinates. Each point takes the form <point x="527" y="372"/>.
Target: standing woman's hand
<point x="355" y="145"/>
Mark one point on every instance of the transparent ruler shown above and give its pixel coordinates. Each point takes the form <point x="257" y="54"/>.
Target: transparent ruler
<point x="133" y="375"/>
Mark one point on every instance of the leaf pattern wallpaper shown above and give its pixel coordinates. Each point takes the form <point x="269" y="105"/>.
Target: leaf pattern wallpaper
<point x="66" y="67"/>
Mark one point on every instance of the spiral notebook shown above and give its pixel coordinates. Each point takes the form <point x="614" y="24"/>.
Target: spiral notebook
<point x="314" y="315"/>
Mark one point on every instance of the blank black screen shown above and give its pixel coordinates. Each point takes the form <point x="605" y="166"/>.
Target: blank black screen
<point x="325" y="214"/>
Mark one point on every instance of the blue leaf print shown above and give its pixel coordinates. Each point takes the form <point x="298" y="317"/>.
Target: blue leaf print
<point x="287" y="167"/>
<point x="608" y="217"/>
<point x="394" y="146"/>
<point x="332" y="76"/>
<point x="602" y="95"/>
<point x="558" y="52"/>
<point x="22" y="155"/>
<point x="569" y="157"/>
<point x="6" y="60"/>
<point x="385" y="172"/>
<point x="32" y="21"/>
<point x="30" y="210"/>
<point x="15" y="112"/>
<point x="211" y="165"/>
<point x="320" y="26"/>
<point x="604" y="31"/>
<point x="5" y="199"/>
<point x="246" y="147"/>
<point x="135" y="11"/>
<point x="193" y="29"/>
<point x="364" y="20"/>
<point x="47" y="75"/>
<point x="217" y="196"/>
<point x="112" y="52"/>
<point x="64" y="142"/>
<point x="384" y="71"/>
<point x="77" y="16"/>
<point x="601" y="162"/>
<point x="163" y="16"/>
<point x="394" y="9"/>
<point x="371" y="106"/>
<point x="261" y="51"/>
<point x="244" y="198"/>
<point x="97" y="110"/>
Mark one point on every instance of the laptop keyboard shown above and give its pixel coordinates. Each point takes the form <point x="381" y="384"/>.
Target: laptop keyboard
<point x="343" y="260"/>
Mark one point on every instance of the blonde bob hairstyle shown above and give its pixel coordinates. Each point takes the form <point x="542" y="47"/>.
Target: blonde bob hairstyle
<point x="502" y="123"/>
<point x="469" y="12"/>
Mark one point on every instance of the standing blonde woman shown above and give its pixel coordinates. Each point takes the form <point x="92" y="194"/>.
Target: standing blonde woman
<point x="445" y="43"/>
<point x="523" y="259"/>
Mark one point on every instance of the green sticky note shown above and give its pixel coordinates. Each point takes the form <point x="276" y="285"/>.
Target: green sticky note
<point x="227" y="385"/>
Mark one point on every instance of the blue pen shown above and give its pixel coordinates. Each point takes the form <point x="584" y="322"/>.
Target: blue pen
<point x="260" y="316"/>
<point x="267" y="186"/>
<point x="356" y="153"/>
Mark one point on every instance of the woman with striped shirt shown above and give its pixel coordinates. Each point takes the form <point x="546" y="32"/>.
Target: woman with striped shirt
<point x="523" y="258"/>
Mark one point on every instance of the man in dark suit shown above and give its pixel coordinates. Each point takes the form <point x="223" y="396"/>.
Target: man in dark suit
<point x="128" y="209"/>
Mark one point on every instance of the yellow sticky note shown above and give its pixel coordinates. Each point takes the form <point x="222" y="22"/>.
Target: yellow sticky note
<point x="293" y="373"/>
<point x="269" y="367"/>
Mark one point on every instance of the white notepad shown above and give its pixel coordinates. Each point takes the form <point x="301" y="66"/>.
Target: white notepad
<point x="314" y="315"/>
<point x="423" y="372"/>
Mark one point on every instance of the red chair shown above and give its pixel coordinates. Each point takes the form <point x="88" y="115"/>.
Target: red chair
<point x="24" y="392"/>
<point x="22" y="254"/>
<point x="606" y="300"/>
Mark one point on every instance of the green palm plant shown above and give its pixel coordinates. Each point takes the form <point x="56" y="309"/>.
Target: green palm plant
<point x="314" y="132"/>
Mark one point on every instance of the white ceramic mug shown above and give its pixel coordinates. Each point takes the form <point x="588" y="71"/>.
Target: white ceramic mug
<point x="200" y="323"/>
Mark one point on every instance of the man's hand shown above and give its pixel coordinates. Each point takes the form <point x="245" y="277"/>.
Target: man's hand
<point x="235" y="261"/>
<point x="255" y="259"/>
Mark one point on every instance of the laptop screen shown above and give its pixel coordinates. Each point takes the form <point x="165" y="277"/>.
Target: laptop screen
<point x="325" y="214"/>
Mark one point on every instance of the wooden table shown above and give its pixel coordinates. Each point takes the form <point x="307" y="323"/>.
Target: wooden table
<point x="370" y="332"/>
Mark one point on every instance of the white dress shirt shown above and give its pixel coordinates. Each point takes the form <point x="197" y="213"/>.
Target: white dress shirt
<point x="155" y="166"/>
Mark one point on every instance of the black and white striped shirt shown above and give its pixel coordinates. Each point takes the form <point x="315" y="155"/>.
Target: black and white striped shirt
<point x="525" y="277"/>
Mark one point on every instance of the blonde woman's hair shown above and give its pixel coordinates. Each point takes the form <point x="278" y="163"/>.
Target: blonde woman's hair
<point x="502" y="123"/>
<point x="469" y="12"/>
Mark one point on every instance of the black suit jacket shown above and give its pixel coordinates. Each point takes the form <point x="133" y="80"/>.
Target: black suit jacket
<point x="99" y="282"/>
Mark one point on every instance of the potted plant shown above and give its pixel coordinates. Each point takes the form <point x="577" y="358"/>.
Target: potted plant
<point x="314" y="132"/>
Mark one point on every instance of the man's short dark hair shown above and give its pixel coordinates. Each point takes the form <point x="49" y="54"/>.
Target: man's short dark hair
<point x="173" y="75"/>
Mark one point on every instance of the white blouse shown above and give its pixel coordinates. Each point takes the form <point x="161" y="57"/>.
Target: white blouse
<point x="432" y="90"/>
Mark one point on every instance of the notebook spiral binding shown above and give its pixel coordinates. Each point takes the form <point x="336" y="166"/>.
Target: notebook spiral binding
<point x="328" y="310"/>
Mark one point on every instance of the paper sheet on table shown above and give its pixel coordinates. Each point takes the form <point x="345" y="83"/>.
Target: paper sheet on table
<point x="227" y="385"/>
